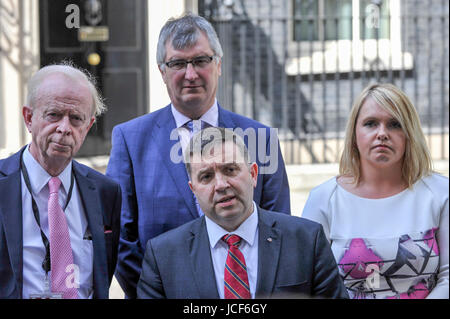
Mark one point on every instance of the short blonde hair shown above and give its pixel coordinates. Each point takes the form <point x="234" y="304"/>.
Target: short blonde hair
<point x="416" y="160"/>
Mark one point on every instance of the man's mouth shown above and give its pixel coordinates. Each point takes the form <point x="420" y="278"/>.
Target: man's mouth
<point x="225" y="201"/>
<point x="60" y="145"/>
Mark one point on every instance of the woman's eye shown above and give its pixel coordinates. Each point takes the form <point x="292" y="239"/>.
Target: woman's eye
<point x="395" y="124"/>
<point x="369" y="123"/>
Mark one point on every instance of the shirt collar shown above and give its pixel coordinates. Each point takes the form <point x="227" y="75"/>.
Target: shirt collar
<point x="211" y="116"/>
<point x="246" y="230"/>
<point x="39" y="176"/>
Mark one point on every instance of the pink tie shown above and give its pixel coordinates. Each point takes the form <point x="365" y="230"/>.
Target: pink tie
<point x="60" y="248"/>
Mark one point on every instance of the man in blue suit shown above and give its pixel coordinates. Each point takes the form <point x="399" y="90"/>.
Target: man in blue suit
<point x="146" y="155"/>
<point x="237" y="249"/>
<point x="49" y="250"/>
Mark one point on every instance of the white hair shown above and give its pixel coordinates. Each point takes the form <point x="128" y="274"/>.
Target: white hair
<point x="73" y="72"/>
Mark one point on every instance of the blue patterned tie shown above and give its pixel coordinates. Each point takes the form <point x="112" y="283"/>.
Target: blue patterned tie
<point x="194" y="128"/>
<point x="196" y="125"/>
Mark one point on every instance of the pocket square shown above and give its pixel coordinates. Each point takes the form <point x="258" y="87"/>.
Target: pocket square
<point x="108" y="230"/>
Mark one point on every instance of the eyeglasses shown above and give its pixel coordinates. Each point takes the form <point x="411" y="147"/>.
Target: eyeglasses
<point x="198" y="62"/>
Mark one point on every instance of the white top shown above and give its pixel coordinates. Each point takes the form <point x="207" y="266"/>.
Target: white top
<point x="33" y="247"/>
<point x="394" y="247"/>
<point x="248" y="231"/>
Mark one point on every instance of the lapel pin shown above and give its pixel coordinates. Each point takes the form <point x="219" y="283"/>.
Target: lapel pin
<point x="269" y="240"/>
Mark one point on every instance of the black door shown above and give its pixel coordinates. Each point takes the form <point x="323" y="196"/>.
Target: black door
<point x="115" y="51"/>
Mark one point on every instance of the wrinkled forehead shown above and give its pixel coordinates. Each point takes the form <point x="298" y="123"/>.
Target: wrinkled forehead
<point x="61" y="87"/>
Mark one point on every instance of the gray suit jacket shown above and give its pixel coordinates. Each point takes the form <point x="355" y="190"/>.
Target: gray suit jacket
<point x="297" y="262"/>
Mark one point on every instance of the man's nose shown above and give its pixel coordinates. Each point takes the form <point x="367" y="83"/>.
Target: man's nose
<point x="190" y="74"/>
<point x="64" y="126"/>
<point x="221" y="182"/>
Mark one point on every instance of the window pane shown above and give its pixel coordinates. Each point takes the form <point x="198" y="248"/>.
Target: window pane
<point x="338" y="15"/>
<point x="305" y="20"/>
<point x="374" y="19"/>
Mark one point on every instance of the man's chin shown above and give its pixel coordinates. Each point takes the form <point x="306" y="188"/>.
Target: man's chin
<point x="229" y="214"/>
<point x="60" y="154"/>
<point x="192" y="100"/>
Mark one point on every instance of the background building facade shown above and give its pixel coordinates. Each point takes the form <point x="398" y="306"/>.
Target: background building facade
<point x="298" y="65"/>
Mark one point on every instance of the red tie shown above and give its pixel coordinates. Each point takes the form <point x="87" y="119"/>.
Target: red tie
<point x="236" y="279"/>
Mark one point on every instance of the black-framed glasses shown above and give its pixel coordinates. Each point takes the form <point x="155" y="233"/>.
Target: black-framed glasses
<point x="198" y="62"/>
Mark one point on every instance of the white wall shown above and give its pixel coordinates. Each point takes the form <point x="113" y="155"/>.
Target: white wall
<point x="158" y="13"/>
<point x="19" y="58"/>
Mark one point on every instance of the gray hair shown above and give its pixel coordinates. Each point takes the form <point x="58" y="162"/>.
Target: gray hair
<point x="183" y="32"/>
<point x="209" y="137"/>
<point x="72" y="71"/>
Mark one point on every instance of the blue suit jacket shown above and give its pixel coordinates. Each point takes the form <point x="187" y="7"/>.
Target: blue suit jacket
<point x="297" y="262"/>
<point x="156" y="194"/>
<point x="101" y="198"/>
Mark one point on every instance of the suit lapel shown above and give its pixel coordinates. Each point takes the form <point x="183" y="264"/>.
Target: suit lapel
<point x="268" y="254"/>
<point x="161" y="134"/>
<point x="201" y="261"/>
<point x="225" y="119"/>
<point x="11" y="213"/>
<point x="90" y="199"/>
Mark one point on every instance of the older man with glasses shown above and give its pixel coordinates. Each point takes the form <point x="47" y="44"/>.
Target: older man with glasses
<point x="146" y="157"/>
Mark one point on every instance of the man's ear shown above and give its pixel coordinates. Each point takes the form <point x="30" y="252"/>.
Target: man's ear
<point x="254" y="173"/>
<point x="162" y="70"/>
<point x="219" y="65"/>
<point x="92" y="121"/>
<point x="27" y="113"/>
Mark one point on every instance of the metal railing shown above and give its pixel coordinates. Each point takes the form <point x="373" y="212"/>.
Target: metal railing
<point x="297" y="65"/>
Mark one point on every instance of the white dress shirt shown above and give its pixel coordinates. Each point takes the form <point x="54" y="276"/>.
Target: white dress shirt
<point x="248" y="231"/>
<point x="211" y="117"/>
<point x="33" y="247"/>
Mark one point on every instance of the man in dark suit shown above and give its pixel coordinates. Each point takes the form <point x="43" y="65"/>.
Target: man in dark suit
<point x="59" y="219"/>
<point x="146" y="155"/>
<point x="237" y="249"/>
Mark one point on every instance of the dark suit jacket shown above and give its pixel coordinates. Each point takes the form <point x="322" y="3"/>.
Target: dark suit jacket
<point x="155" y="191"/>
<point x="101" y="198"/>
<point x="297" y="262"/>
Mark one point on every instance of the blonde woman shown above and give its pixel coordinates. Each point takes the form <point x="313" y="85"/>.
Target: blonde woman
<point x="386" y="213"/>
